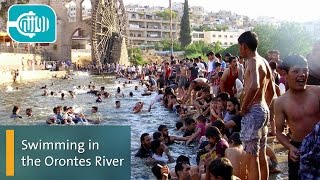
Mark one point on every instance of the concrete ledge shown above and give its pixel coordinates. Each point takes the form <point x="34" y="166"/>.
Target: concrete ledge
<point x="7" y="77"/>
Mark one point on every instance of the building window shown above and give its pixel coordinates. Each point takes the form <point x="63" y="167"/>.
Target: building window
<point x="214" y="35"/>
<point x="201" y="35"/>
<point x="225" y="36"/>
<point x="139" y="35"/>
<point x="195" y="35"/>
<point x="225" y="43"/>
<point x="231" y="36"/>
<point x="231" y="43"/>
<point x="219" y="36"/>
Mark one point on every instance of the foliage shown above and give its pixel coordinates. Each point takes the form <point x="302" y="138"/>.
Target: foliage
<point x="234" y="50"/>
<point x="5" y="7"/>
<point x="221" y="27"/>
<point x="165" y="14"/>
<point x="202" y="48"/>
<point x="185" y="30"/>
<point x="165" y="45"/>
<point x="203" y="28"/>
<point x="288" y="38"/>
<point x="135" y="56"/>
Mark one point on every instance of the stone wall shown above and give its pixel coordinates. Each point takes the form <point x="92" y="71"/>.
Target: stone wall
<point x="14" y="61"/>
<point x="7" y="77"/>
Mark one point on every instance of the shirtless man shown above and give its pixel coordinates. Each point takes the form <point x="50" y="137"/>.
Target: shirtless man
<point x="229" y="77"/>
<point x="183" y="78"/>
<point x="299" y="107"/>
<point x="258" y="93"/>
<point x="197" y="84"/>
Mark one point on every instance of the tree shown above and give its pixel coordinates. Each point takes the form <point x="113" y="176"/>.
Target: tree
<point x="234" y="50"/>
<point x="185" y="30"/>
<point x="288" y="38"/>
<point x="202" y="48"/>
<point x="135" y="56"/>
<point x="166" y="45"/>
<point x="165" y="14"/>
<point x="5" y="7"/>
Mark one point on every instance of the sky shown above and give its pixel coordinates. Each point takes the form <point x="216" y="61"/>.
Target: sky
<point x="291" y="10"/>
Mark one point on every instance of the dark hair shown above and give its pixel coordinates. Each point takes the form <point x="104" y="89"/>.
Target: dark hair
<point x="201" y="118"/>
<point x="221" y="167"/>
<point x="183" y="158"/>
<point x="213" y="132"/>
<point x="292" y="60"/>
<point x="273" y="65"/>
<point x="179" y="125"/>
<point x="218" y="55"/>
<point x="161" y="127"/>
<point x="15" y="109"/>
<point x="228" y="55"/>
<point x="219" y="124"/>
<point x="250" y="39"/>
<point x="189" y="121"/>
<point x="156" y="170"/>
<point x="65" y="108"/>
<point x="131" y="94"/>
<point x="217" y="64"/>
<point x="155" y="144"/>
<point x="156" y="135"/>
<point x="117" y="102"/>
<point x="224" y="96"/>
<point x="210" y="53"/>
<point x="95" y="108"/>
<point x="179" y="167"/>
<point x="235" y="102"/>
<point x="143" y="136"/>
<point x="235" y="138"/>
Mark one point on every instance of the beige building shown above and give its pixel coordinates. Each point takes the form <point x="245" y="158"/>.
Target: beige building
<point x="148" y="28"/>
<point x="227" y="38"/>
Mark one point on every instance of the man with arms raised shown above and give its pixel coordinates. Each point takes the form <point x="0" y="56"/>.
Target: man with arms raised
<point x="258" y="93"/>
<point x="299" y="107"/>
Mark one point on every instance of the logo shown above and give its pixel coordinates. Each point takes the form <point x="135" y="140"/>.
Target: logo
<point x="32" y="23"/>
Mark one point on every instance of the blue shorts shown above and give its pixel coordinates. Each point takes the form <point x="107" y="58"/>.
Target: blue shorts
<point x="254" y="128"/>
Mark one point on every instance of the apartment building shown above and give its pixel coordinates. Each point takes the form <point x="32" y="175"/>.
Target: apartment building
<point x="227" y="38"/>
<point x="148" y="28"/>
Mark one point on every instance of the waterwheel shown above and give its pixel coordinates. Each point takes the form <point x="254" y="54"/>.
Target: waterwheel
<point x="109" y="27"/>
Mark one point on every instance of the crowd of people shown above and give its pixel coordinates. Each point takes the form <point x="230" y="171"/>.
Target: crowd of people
<point x="228" y="107"/>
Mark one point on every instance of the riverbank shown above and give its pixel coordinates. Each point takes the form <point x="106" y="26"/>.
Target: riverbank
<point x="24" y="76"/>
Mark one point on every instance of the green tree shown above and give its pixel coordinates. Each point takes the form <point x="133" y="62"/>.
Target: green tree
<point x="234" y="50"/>
<point x="221" y="27"/>
<point x="292" y="38"/>
<point x="135" y="56"/>
<point x="166" y="45"/>
<point x="165" y="14"/>
<point x="288" y="38"/>
<point x="202" y="48"/>
<point x="5" y="7"/>
<point x="185" y="30"/>
<point x="266" y="35"/>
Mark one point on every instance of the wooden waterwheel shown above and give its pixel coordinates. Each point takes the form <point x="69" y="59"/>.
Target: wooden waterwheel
<point x="109" y="22"/>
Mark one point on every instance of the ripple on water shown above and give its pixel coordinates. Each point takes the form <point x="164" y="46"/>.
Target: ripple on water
<point x="29" y="95"/>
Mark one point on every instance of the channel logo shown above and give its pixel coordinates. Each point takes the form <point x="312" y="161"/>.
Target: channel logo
<point x="32" y="23"/>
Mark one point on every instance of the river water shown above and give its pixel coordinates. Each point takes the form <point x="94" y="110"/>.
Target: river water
<point x="28" y="95"/>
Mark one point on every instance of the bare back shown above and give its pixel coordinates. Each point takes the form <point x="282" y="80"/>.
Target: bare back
<point x="301" y="111"/>
<point x="263" y="78"/>
<point x="236" y="155"/>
